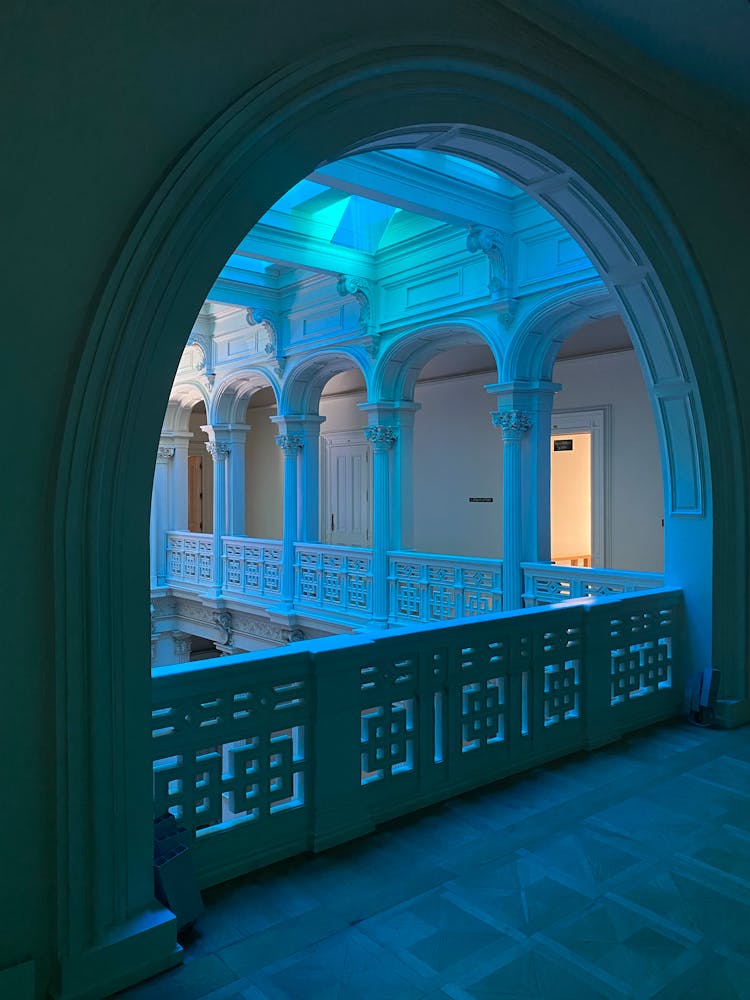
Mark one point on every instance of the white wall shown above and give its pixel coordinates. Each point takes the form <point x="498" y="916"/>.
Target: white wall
<point x="264" y="472"/>
<point x="457" y="454"/>
<point x="636" y="492"/>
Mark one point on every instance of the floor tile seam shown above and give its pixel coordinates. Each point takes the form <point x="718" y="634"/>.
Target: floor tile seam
<point x="676" y="931"/>
<point x="583" y="966"/>
<point x="734" y="881"/>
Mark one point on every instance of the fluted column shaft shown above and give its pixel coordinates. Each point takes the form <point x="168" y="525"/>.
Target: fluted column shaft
<point x="158" y="527"/>
<point x="381" y="438"/>
<point x="291" y="446"/>
<point x="513" y="425"/>
<point x="219" y="452"/>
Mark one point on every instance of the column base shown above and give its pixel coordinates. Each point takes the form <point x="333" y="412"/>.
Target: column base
<point x="134" y="951"/>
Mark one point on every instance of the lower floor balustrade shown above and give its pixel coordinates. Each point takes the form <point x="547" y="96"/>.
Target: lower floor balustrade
<point x="268" y="754"/>
<point x="337" y="583"/>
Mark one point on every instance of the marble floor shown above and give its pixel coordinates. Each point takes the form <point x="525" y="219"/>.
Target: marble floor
<point x="620" y="873"/>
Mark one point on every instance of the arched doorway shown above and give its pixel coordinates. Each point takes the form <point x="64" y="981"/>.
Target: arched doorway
<point x="209" y="200"/>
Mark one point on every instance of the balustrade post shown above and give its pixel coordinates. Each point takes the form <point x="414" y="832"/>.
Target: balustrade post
<point x="291" y="445"/>
<point x="381" y="438"/>
<point x="160" y="505"/>
<point x="219" y="452"/>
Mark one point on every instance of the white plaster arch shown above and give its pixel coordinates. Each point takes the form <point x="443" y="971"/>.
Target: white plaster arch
<point x="398" y="368"/>
<point x="182" y="400"/>
<point x="305" y="380"/>
<point x="231" y="396"/>
<point x="207" y="201"/>
<point x="539" y="331"/>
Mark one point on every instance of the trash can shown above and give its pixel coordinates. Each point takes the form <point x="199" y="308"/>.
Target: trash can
<point x="175" y="884"/>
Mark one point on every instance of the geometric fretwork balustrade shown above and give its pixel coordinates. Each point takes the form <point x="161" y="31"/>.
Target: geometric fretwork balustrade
<point x="267" y="754"/>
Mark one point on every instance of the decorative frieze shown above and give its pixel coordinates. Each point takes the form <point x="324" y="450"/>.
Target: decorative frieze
<point x="381" y="437"/>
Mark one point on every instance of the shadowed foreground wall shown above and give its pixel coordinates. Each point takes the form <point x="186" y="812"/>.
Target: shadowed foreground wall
<point x="99" y="104"/>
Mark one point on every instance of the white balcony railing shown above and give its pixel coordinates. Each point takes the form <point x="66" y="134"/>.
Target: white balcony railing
<point x="427" y="588"/>
<point x="252" y="568"/>
<point x="190" y="558"/>
<point x="265" y="755"/>
<point x="333" y="579"/>
<point x="545" y="583"/>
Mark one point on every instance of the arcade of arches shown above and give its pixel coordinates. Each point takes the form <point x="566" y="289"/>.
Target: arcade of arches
<point x="409" y="397"/>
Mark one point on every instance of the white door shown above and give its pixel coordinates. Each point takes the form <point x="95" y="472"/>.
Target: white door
<point x="345" y="510"/>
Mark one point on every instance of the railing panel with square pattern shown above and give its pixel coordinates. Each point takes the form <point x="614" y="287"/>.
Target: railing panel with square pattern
<point x="267" y="754"/>
<point x="428" y="588"/>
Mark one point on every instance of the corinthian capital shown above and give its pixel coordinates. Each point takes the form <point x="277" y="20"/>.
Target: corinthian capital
<point x="218" y="450"/>
<point x="512" y="423"/>
<point x="381" y="437"/>
<point x="290" y="444"/>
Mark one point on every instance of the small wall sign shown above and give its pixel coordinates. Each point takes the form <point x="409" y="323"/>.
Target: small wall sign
<point x="481" y="499"/>
<point x="564" y="444"/>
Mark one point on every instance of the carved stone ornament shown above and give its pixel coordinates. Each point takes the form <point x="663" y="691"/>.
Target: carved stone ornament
<point x="183" y="643"/>
<point x="490" y="242"/>
<point x="218" y="450"/>
<point x="295" y="635"/>
<point x="362" y="290"/>
<point x="223" y="621"/>
<point x="381" y="437"/>
<point x="165" y="452"/>
<point x="512" y="423"/>
<point x="290" y="444"/>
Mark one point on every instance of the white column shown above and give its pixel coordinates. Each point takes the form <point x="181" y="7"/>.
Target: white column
<point x="219" y="452"/>
<point x="513" y="424"/>
<point x="160" y="504"/>
<point x="178" y="486"/>
<point x="308" y="519"/>
<point x="236" y="480"/>
<point x="291" y="446"/>
<point x="382" y="437"/>
<point x="400" y="416"/>
<point x="233" y="436"/>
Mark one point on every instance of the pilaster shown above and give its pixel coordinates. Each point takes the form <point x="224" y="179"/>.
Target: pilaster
<point x="382" y="438"/>
<point x="524" y="419"/>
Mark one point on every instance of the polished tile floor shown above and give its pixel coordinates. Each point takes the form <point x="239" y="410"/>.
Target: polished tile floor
<point x="620" y="873"/>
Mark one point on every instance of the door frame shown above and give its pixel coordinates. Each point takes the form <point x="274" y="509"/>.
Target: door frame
<point x="595" y="421"/>
<point x="328" y="442"/>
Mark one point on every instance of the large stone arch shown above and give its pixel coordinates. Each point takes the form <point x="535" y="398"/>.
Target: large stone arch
<point x="265" y="142"/>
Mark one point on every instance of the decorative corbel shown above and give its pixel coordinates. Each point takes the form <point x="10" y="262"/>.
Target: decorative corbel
<point x="362" y="289"/>
<point x="268" y="318"/>
<point x="491" y="243"/>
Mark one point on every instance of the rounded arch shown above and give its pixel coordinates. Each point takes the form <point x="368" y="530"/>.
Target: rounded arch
<point x="397" y="370"/>
<point x="231" y="397"/>
<point x="539" y="333"/>
<point x="268" y="140"/>
<point x="304" y="381"/>
<point x="182" y="400"/>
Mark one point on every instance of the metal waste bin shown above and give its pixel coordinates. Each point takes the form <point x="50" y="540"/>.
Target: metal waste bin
<point x="175" y="884"/>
